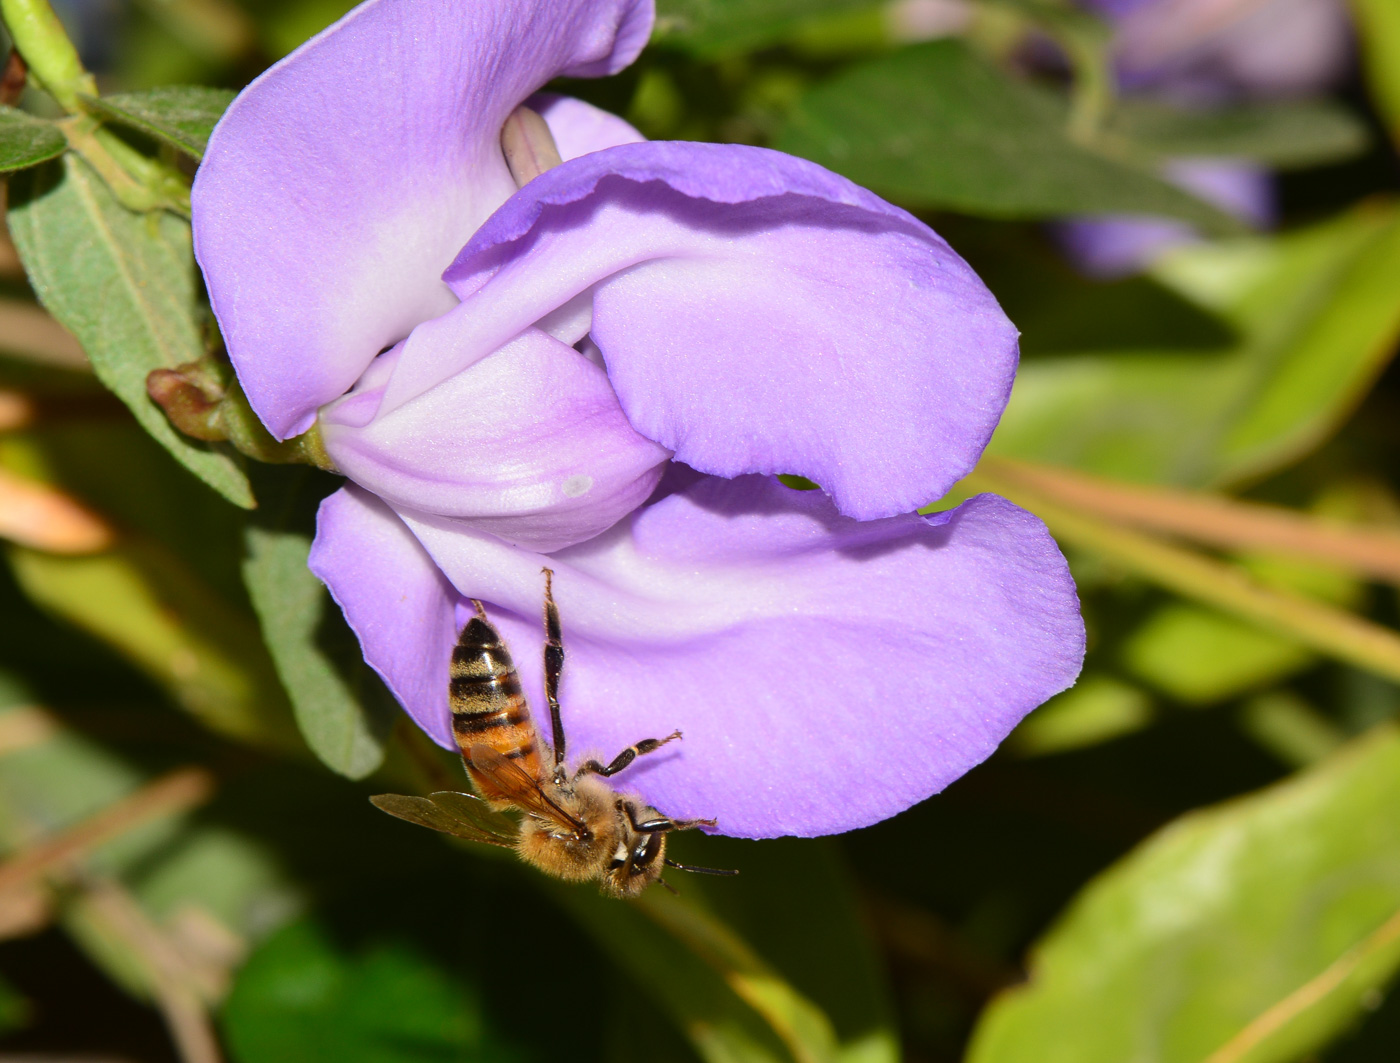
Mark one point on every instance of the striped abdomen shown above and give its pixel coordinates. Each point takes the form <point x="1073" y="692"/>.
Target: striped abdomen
<point x="486" y="701"/>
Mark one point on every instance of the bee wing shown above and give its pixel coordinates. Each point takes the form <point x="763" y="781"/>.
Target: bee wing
<point x="447" y="816"/>
<point x="520" y="788"/>
<point x="473" y="811"/>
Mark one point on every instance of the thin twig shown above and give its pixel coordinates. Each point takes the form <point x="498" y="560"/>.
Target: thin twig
<point x="1308" y="995"/>
<point x="179" y="1003"/>
<point x="1211" y="519"/>
<point x="1227" y="587"/>
<point x="176" y="792"/>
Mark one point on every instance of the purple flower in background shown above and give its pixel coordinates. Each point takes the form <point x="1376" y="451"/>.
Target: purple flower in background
<point x="1118" y="245"/>
<point x="1206" y="53"/>
<point x="1209" y="51"/>
<point x="600" y="371"/>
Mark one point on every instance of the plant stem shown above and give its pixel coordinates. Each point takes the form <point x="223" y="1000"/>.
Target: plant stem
<point x="52" y="59"/>
<point x="1226" y="587"/>
<point x="1212" y="519"/>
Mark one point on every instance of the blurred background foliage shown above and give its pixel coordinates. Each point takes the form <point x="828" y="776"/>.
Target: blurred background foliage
<point x="1191" y="857"/>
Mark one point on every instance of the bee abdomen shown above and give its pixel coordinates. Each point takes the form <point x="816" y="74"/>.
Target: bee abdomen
<point x="487" y="703"/>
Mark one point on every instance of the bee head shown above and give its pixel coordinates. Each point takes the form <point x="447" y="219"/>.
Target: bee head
<point x="636" y="862"/>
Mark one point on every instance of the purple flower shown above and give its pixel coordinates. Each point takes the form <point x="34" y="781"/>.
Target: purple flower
<point x="1209" y="51"/>
<point x="1118" y="245"/>
<point x="1205" y="53"/>
<point x="507" y="374"/>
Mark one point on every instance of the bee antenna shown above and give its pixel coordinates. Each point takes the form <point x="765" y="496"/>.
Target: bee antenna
<point x="700" y="870"/>
<point x="669" y="888"/>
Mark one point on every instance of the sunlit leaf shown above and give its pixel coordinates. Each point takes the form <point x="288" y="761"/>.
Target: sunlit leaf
<point x="1318" y="317"/>
<point x="342" y="707"/>
<point x="1379" y="25"/>
<point x="123" y="284"/>
<point x="732" y="1009"/>
<point x="935" y="125"/>
<point x="786" y="887"/>
<point x="140" y="600"/>
<point x="1096" y="709"/>
<point x="1200" y="656"/>
<point x="180" y="115"/>
<point x="1249" y="932"/>
<point x="26" y="140"/>
<point x="1290" y="728"/>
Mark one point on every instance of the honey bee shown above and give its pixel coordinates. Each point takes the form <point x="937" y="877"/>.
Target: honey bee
<point x="576" y="827"/>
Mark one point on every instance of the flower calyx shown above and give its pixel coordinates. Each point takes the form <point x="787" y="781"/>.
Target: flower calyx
<point x="528" y="146"/>
<point x="203" y="400"/>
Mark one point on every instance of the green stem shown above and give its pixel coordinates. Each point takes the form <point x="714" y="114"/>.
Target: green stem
<point x="1091" y="95"/>
<point x="52" y="59"/>
<point x="1227" y="587"/>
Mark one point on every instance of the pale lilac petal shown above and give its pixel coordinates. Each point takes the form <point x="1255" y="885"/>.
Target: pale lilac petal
<point x="757" y="314"/>
<point x="529" y="443"/>
<point x="802" y="653"/>
<point x="579" y="127"/>
<point x="343" y="180"/>
<point x="394" y="598"/>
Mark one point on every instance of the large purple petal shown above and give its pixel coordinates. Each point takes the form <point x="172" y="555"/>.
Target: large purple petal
<point x="827" y="673"/>
<point x="394" y="599"/>
<point x="529" y="443"/>
<point x="342" y="181"/>
<point x="757" y="314"/>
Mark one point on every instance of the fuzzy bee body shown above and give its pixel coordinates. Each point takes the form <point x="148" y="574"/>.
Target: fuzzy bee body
<point x="574" y="825"/>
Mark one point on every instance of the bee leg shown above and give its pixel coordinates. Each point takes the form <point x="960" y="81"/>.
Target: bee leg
<point x="660" y="823"/>
<point x="631" y="753"/>
<point x="553" y="668"/>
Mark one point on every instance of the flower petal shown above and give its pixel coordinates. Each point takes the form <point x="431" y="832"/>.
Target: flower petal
<point x="529" y="443"/>
<point x="757" y="314"/>
<point x="827" y="673"/>
<point x="395" y="599"/>
<point x="579" y="127"/>
<point x="343" y="180"/>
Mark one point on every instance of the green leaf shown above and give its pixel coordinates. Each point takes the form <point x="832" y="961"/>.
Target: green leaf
<point x="1253" y="931"/>
<point x="15" y="1009"/>
<point x="300" y="997"/>
<point x="26" y="140"/>
<point x="1200" y="656"/>
<point x="714" y="26"/>
<point x="1284" y="135"/>
<point x="1290" y="728"/>
<point x="142" y="601"/>
<point x="936" y="126"/>
<point x="786" y="887"/>
<point x="123" y="284"/>
<point x="342" y="707"/>
<point x="1378" y="23"/>
<point x="1317" y="318"/>
<point x="722" y="1026"/>
<point x="182" y="872"/>
<point x="180" y="115"/>
<point x="1096" y="709"/>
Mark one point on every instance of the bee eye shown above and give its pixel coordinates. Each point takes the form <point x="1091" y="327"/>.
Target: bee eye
<point x="646" y="853"/>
